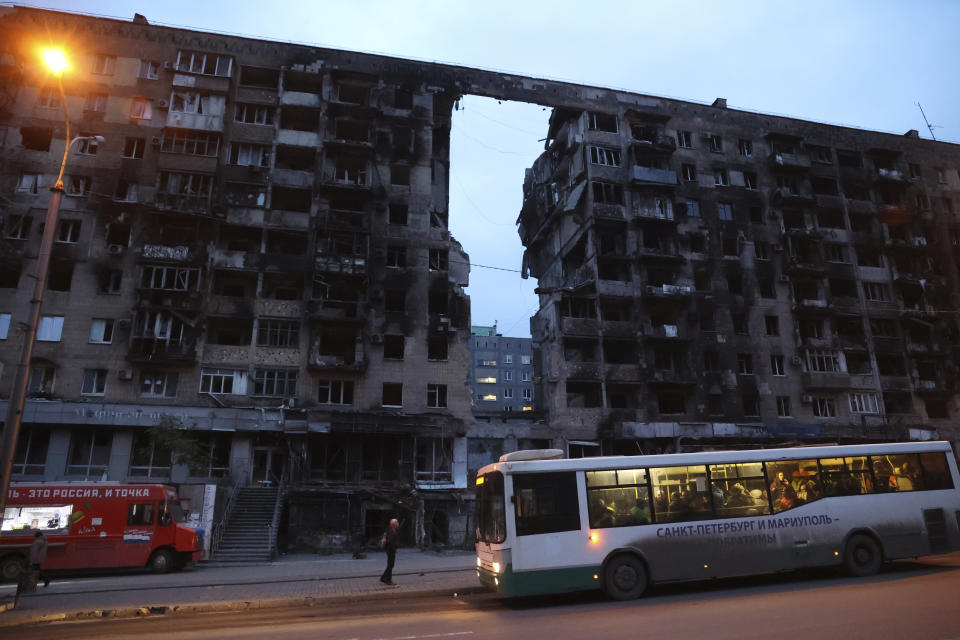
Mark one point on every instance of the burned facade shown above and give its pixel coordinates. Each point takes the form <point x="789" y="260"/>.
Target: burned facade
<point x="712" y="278"/>
<point x="259" y="250"/>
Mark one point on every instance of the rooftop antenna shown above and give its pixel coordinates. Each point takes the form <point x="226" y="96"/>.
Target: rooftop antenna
<point x="929" y="126"/>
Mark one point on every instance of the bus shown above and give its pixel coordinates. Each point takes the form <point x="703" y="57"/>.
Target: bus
<point x="549" y="525"/>
<point x="97" y="525"/>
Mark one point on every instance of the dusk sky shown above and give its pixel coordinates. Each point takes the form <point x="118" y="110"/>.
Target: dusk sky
<point x="859" y="63"/>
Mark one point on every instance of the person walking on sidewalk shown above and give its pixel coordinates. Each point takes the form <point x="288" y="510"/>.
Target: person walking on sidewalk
<point x="31" y="573"/>
<point x="389" y="544"/>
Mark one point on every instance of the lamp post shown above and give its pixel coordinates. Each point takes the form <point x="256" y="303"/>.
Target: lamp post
<point x="57" y="63"/>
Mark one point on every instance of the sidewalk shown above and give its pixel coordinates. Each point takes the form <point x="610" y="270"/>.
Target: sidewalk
<point x="299" y="579"/>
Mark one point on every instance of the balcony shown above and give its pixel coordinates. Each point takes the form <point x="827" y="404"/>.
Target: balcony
<point x="790" y="160"/>
<point x="667" y="332"/>
<point x="226" y="259"/>
<point x="668" y="291"/>
<point x="159" y="351"/>
<point x="328" y="309"/>
<point x="336" y="363"/>
<point x="177" y="253"/>
<point x="579" y="326"/>
<point x="860" y="206"/>
<point x="670" y="377"/>
<point x="609" y="211"/>
<point x="195" y="121"/>
<point x="799" y="266"/>
<point x="654" y="142"/>
<point x="349" y="178"/>
<point x="650" y="175"/>
<point x="787" y="196"/>
<point x="890" y="176"/>
<point x="650" y="254"/>
<point x="297" y="138"/>
<point x="340" y="264"/>
<point x="186" y="203"/>
<point x="825" y="380"/>
<point x="624" y="373"/>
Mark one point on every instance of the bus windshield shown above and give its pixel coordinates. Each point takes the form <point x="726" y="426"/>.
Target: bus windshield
<point x="491" y="515"/>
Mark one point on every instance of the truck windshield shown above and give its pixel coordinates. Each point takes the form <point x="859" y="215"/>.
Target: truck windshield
<point x="491" y="515"/>
<point x="176" y="511"/>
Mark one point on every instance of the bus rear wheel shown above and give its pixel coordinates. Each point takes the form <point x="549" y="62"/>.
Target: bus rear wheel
<point x="862" y="556"/>
<point x="625" y="577"/>
<point x="161" y="561"/>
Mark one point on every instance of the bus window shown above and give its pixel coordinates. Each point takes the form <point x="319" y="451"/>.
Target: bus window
<point x="846" y="476"/>
<point x="793" y="483"/>
<point x="618" y="498"/>
<point x="546" y="502"/>
<point x="680" y="493"/>
<point x="491" y="515"/>
<point x="738" y="490"/>
<point x="936" y="471"/>
<point x="140" y="514"/>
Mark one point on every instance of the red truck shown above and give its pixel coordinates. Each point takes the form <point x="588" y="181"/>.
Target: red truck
<point x="97" y="525"/>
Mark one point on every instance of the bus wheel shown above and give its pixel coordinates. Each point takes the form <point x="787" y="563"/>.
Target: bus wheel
<point x="161" y="561"/>
<point x="862" y="556"/>
<point x="625" y="577"/>
<point x="11" y="567"/>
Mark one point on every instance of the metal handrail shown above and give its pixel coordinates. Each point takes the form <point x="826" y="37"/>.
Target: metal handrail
<point x="273" y="527"/>
<point x="219" y="527"/>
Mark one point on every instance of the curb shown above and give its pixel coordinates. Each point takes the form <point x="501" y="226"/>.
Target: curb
<point x="229" y="605"/>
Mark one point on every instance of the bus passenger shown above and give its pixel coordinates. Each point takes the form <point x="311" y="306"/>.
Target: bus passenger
<point x="639" y="513"/>
<point x="909" y="477"/>
<point x="738" y="496"/>
<point x="679" y="505"/>
<point x="781" y="493"/>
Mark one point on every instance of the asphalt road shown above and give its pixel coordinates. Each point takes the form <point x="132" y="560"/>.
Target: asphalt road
<point x="908" y="600"/>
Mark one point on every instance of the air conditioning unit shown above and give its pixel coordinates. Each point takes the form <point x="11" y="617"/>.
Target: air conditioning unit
<point x="796" y="361"/>
<point x="155" y="141"/>
<point x="115" y="249"/>
<point x="125" y="374"/>
<point x="169" y="65"/>
<point x="162" y="103"/>
<point x="806" y="398"/>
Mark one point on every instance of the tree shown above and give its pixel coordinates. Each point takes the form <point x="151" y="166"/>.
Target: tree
<point x="172" y="438"/>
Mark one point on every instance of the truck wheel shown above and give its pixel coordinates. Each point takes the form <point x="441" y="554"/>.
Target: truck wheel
<point x="161" y="561"/>
<point x="11" y="567"/>
<point x="862" y="556"/>
<point x="625" y="577"/>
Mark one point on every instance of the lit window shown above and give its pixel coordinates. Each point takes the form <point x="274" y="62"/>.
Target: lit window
<point x="489" y="397"/>
<point x="487" y="380"/>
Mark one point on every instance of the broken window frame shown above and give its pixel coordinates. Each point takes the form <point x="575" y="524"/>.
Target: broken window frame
<point x="721" y="178"/>
<point x="203" y="63"/>
<point x="275" y="383"/>
<point x="191" y="143"/>
<point x="278" y="333"/>
<point x="777" y="365"/>
<point x="864" y="402"/>
<point x="161" y="277"/>
<point x="133" y="148"/>
<point x="783" y="407"/>
<point x="29" y="183"/>
<point x="95" y="102"/>
<point x="187" y="191"/>
<point x="439" y="260"/>
<point x="48" y="98"/>
<point x="103" y="64"/>
<point x="434" y="461"/>
<point x="335" y="392"/>
<point x="101" y="331"/>
<point x="876" y="292"/>
<point x="41" y="381"/>
<point x="392" y="389"/>
<point x="94" y="382"/>
<point x="688" y="172"/>
<point x="251" y="113"/>
<point x="149" y="69"/>
<point x="745" y="148"/>
<point x="437" y="396"/>
<point x="604" y="156"/>
<point x="823" y="361"/>
<point x="597" y="121"/>
<point x="218" y="381"/>
<point x="685" y="139"/>
<point x="396" y="256"/>
<point x="745" y="364"/>
<point x="245" y="154"/>
<point x="159" y="384"/>
<point x="68" y="231"/>
<point x="141" y="109"/>
<point x="608" y="193"/>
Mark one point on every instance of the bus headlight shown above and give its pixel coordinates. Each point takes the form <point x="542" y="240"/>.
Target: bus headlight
<point x="496" y="567"/>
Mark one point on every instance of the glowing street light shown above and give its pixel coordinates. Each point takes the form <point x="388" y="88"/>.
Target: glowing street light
<point x="57" y="62"/>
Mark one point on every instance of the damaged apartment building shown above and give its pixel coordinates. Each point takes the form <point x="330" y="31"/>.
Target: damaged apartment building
<point x="259" y="250"/>
<point x="710" y="277"/>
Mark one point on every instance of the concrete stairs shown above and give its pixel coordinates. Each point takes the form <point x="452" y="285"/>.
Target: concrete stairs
<point x="250" y="533"/>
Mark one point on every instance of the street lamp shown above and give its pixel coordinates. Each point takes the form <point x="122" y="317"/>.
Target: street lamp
<point x="56" y="61"/>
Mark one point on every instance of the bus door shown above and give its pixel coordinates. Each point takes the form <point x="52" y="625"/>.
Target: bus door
<point x="547" y="520"/>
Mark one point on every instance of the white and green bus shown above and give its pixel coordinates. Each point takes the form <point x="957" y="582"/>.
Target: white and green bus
<point x="548" y="525"/>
